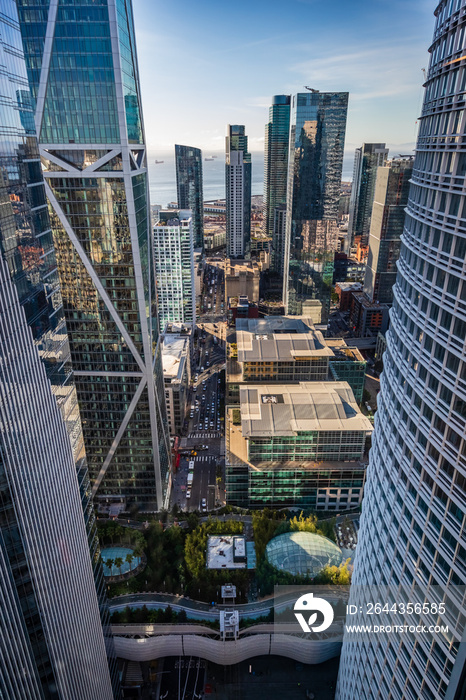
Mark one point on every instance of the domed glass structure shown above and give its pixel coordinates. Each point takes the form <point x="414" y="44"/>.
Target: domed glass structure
<point x="302" y="553"/>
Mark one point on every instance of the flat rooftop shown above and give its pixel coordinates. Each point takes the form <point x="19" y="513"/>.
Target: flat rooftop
<point x="220" y="552"/>
<point x="279" y="338"/>
<point x="344" y="351"/>
<point x="175" y="349"/>
<point x="286" y="410"/>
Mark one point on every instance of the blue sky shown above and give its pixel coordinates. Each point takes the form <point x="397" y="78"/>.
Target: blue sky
<point x="207" y="63"/>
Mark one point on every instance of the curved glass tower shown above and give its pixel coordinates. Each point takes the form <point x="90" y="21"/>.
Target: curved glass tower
<point x="412" y="528"/>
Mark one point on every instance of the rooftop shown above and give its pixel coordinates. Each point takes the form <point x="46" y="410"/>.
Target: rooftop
<point x="286" y="410"/>
<point x="367" y="303"/>
<point x="172" y="217"/>
<point x="220" y="550"/>
<point x="349" y="286"/>
<point x="279" y="338"/>
<point x="175" y="349"/>
<point x="343" y="351"/>
<point x="302" y="553"/>
<point x="246" y="267"/>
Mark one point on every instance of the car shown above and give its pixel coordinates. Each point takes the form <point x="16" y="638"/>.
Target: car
<point x="211" y="423"/>
<point x="207" y="364"/>
<point x="204" y="505"/>
<point x="196" y="377"/>
<point x="202" y="369"/>
<point x="188" y="494"/>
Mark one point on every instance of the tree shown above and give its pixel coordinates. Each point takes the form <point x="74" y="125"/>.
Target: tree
<point x="119" y="563"/>
<point x="129" y="558"/>
<point x="109" y="563"/>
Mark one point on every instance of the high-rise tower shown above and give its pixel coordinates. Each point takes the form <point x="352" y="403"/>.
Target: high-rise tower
<point x="89" y="123"/>
<point x="277" y="133"/>
<point x="55" y="640"/>
<point x="413" y="519"/>
<point x="317" y="139"/>
<point x="366" y="161"/>
<point x="174" y="267"/>
<point x="188" y="162"/>
<point x="387" y="219"/>
<point x="238" y="192"/>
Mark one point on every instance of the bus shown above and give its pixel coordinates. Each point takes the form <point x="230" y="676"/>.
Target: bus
<point x="190" y="479"/>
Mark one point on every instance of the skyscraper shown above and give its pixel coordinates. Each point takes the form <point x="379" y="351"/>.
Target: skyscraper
<point x="366" y="161"/>
<point x="174" y="267"/>
<point x="189" y="187"/>
<point x="317" y="138"/>
<point x="277" y="133"/>
<point x="387" y="219"/>
<point x="413" y="518"/>
<point x="89" y="122"/>
<point x="56" y="641"/>
<point x="238" y="192"/>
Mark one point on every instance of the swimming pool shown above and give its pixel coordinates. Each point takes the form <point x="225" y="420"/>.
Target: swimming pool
<point x="115" y="553"/>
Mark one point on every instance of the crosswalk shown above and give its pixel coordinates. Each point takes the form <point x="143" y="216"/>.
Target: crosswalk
<point x="205" y="435"/>
<point x="203" y="458"/>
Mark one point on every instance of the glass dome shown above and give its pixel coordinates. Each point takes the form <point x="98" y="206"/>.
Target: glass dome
<point x="302" y="553"/>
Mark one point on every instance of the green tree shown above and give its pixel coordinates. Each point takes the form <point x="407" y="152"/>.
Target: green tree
<point x="119" y="563"/>
<point x="109" y="563"/>
<point x="129" y="559"/>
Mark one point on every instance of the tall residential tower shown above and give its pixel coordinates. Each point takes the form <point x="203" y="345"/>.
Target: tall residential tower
<point x="414" y="510"/>
<point x="188" y="162"/>
<point x="89" y="123"/>
<point x="317" y="139"/>
<point x="55" y="624"/>
<point x="238" y="192"/>
<point x="277" y="133"/>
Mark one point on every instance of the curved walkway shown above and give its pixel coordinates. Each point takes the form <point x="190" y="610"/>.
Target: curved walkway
<point x="197" y="610"/>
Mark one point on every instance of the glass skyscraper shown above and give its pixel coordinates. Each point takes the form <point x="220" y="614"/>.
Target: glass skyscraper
<point x="387" y="220"/>
<point x="413" y="518"/>
<point x="277" y="133"/>
<point x="82" y="67"/>
<point x="366" y="161"/>
<point x="238" y="192"/>
<point x="317" y="139"/>
<point x="190" y="195"/>
<point x="55" y="641"/>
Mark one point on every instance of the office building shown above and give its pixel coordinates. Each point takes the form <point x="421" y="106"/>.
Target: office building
<point x="277" y="133"/>
<point x="238" y="192"/>
<point x="413" y="518"/>
<point x="242" y="278"/>
<point x="388" y="214"/>
<point x="347" y="365"/>
<point x="296" y="445"/>
<point x="176" y="356"/>
<point x="89" y="123"/>
<point x="188" y="162"/>
<point x="174" y="267"/>
<point x="51" y="581"/>
<point x="279" y="238"/>
<point x="289" y="349"/>
<point x="317" y="139"/>
<point x="366" y="161"/>
<point x="367" y="318"/>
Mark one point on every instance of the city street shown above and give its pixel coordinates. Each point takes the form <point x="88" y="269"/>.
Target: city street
<point x="197" y="489"/>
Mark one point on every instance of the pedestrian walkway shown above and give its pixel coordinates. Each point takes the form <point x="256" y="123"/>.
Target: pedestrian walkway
<point x="205" y="435"/>
<point x="204" y="458"/>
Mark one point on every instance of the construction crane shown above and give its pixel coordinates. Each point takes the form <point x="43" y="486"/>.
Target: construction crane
<point x="306" y="87"/>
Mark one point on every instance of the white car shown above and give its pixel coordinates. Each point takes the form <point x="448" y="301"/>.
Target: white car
<point x="188" y="494"/>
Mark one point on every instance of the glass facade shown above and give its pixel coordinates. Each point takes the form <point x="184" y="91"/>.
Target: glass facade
<point x="188" y="162"/>
<point x="413" y="519"/>
<point x="317" y="139"/>
<point x="238" y="192"/>
<point x="94" y="162"/>
<point x="388" y="214"/>
<point x="366" y="161"/>
<point x="44" y="484"/>
<point x="329" y="487"/>
<point x="276" y="145"/>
